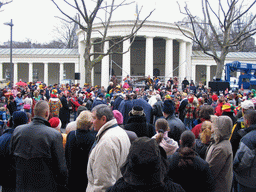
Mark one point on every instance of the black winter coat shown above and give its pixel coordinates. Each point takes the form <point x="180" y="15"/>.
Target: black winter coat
<point x="139" y="125"/>
<point x="195" y="177"/>
<point x="168" y="186"/>
<point x="64" y="111"/>
<point x="77" y="151"/>
<point x="39" y="158"/>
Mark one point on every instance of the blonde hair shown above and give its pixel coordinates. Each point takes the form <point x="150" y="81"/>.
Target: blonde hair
<point x="206" y="132"/>
<point x="84" y="120"/>
<point x="36" y="93"/>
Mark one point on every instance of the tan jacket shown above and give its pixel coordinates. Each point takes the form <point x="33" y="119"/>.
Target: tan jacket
<point x="107" y="157"/>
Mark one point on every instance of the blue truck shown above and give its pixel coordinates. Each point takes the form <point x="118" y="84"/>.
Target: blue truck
<point x="247" y="77"/>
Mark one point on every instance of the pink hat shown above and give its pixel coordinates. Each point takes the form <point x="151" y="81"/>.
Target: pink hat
<point x="118" y="116"/>
<point x="55" y="123"/>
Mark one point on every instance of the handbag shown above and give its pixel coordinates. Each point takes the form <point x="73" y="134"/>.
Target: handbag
<point x="26" y="106"/>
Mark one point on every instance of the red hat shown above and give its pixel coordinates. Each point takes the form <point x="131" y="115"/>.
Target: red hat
<point x="190" y="99"/>
<point x="214" y="97"/>
<point x="55" y="123"/>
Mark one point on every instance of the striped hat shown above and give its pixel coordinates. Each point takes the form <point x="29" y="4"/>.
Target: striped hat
<point x="227" y="107"/>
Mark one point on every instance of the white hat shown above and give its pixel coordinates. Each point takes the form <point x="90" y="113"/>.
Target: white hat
<point x="247" y="104"/>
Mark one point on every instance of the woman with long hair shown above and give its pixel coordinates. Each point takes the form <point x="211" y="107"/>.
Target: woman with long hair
<point x="168" y="144"/>
<point x="188" y="169"/>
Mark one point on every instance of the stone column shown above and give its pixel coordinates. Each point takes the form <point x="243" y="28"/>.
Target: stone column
<point x="46" y="73"/>
<point x="1" y="71"/>
<point x="193" y="73"/>
<point x="208" y="74"/>
<point x="182" y="60"/>
<point x="92" y="71"/>
<point x="15" y="73"/>
<point x="30" y="72"/>
<point x="168" y="59"/>
<point x="82" y="62"/>
<point x="126" y="64"/>
<point x="92" y="76"/>
<point x="61" y="72"/>
<point x="189" y="62"/>
<point x="149" y="57"/>
<point x="105" y="67"/>
<point x="77" y="70"/>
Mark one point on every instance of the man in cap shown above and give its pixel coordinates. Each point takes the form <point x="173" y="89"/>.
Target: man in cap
<point x="19" y="101"/>
<point x="177" y="127"/>
<point x="137" y="123"/>
<point x="99" y="100"/>
<point x="235" y="136"/>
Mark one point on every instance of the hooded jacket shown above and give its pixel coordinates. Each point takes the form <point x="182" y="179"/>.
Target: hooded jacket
<point x="168" y="144"/>
<point x="245" y="158"/>
<point x="107" y="157"/>
<point x="145" y="169"/>
<point x="220" y="155"/>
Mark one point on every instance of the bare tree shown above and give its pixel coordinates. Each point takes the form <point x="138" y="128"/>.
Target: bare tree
<point x="66" y="33"/>
<point x="86" y="22"/>
<point x="2" y="3"/>
<point x="217" y="26"/>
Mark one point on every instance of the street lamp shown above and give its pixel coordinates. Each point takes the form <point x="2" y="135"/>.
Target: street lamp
<point x="11" y="64"/>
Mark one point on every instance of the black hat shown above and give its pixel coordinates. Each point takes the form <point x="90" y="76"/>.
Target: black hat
<point x="168" y="107"/>
<point x="137" y="110"/>
<point x="19" y="118"/>
<point x="145" y="154"/>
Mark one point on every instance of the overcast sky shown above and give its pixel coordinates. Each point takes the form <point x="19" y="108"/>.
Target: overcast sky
<point x="35" y="19"/>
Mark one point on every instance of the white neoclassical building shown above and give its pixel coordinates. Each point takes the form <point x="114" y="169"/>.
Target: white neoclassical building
<point x="159" y="49"/>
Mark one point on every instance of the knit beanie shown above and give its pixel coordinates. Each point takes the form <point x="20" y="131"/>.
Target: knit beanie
<point x="118" y="116"/>
<point x="19" y="118"/>
<point x="227" y="107"/>
<point x="168" y="107"/>
<point x="55" y="123"/>
<point x="214" y="97"/>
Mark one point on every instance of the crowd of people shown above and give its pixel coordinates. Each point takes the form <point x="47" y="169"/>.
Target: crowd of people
<point x="173" y="137"/>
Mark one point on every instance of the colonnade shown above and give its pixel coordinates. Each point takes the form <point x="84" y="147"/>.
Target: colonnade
<point x="44" y="71"/>
<point x="184" y="69"/>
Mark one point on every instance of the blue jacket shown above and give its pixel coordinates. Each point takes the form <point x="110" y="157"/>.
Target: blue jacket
<point x="19" y="102"/>
<point x="7" y="176"/>
<point x="245" y="158"/>
<point x="98" y="101"/>
<point x="125" y="107"/>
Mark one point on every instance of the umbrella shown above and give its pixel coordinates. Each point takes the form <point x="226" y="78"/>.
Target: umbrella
<point x="7" y="94"/>
<point x="20" y="83"/>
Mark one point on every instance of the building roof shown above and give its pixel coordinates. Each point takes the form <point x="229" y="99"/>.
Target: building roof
<point x="248" y="55"/>
<point x="74" y="52"/>
<point x="37" y="51"/>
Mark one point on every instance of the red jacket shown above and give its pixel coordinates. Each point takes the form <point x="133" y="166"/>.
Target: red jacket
<point x="218" y="109"/>
<point x="75" y="103"/>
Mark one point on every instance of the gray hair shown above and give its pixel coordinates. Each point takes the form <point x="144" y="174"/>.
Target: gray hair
<point x="103" y="110"/>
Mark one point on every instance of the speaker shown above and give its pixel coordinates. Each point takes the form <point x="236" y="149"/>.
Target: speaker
<point x="77" y="76"/>
<point x="217" y="86"/>
<point x="252" y="86"/>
